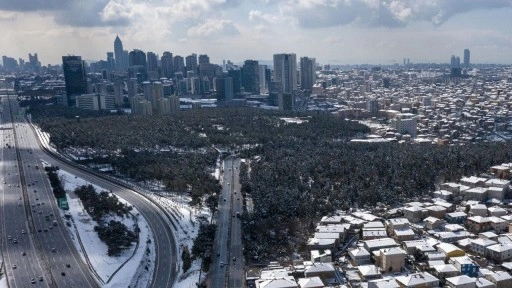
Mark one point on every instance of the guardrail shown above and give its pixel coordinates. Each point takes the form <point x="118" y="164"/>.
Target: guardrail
<point x="132" y="187"/>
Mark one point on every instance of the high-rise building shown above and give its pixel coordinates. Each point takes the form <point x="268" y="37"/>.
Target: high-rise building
<point x="250" y="76"/>
<point x="138" y="65"/>
<point x="262" y="71"/>
<point x="132" y="87"/>
<point x="137" y="58"/>
<point x="307" y="73"/>
<point x="466" y="58"/>
<point x="34" y="62"/>
<point x="175" y="104"/>
<point x="191" y="62"/>
<point x="10" y="64"/>
<point x="204" y="59"/>
<point x="224" y="89"/>
<point x="455" y="62"/>
<point x="118" y="93"/>
<point x="74" y="77"/>
<point x="118" y="53"/>
<point x="179" y="64"/>
<point x="167" y="64"/>
<point x="285" y="71"/>
<point x="111" y="62"/>
<point x="236" y="75"/>
<point x="152" y="65"/>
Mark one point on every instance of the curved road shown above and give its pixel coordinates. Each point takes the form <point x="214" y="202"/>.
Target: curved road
<point x="165" y="245"/>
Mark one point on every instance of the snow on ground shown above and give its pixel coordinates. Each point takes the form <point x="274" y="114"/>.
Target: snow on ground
<point x="3" y="282"/>
<point x="109" y="269"/>
<point x="188" y="220"/>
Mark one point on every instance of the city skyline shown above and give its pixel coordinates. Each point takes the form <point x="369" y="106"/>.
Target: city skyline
<point x="334" y="31"/>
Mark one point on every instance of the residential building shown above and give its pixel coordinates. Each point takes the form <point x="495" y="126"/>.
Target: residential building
<point x="462" y="281"/>
<point x="359" y="256"/>
<point x="499" y="252"/>
<point x="465" y="266"/>
<point x="392" y="259"/>
<point x="501" y="279"/>
<point x="417" y="280"/>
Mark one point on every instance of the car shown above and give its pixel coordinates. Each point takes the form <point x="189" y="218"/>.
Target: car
<point x="39" y="230"/>
<point x="37" y="199"/>
<point x="40" y="278"/>
<point x="28" y="184"/>
<point x="224" y="199"/>
<point x="14" y="266"/>
<point x="45" y="230"/>
<point x="14" y="241"/>
<point x="218" y="254"/>
<point x="221" y="264"/>
<point x="35" y="191"/>
<point x="9" y="185"/>
<point x="234" y="258"/>
<point x="53" y="249"/>
<point x="68" y="265"/>
<point x="33" y="281"/>
<point x="9" y="237"/>
<point x="22" y="231"/>
<point x="229" y="183"/>
<point x="63" y="273"/>
<point x="23" y="254"/>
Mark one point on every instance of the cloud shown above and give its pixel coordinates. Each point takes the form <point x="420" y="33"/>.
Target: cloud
<point x="213" y="27"/>
<point x="258" y="15"/>
<point x="33" y="5"/>
<point x="380" y="13"/>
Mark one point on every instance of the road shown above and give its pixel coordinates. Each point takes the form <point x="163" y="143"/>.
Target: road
<point x="165" y="245"/>
<point x="166" y="268"/>
<point x="227" y="269"/>
<point x="19" y="253"/>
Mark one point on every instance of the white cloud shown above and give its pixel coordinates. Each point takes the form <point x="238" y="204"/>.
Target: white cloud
<point x="213" y="27"/>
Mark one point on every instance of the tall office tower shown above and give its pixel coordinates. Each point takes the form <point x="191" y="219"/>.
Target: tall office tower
<point x="126" y="60"/>
<point x="132" y="87"/>
<point x="147" y="90"/>
<point x="455" y="62"/>
<point x="175" y="104"/>
<point x="137" y="58"/>
<point x="152" y="65"/>
<point x="167" y="64"/>
<point x="250" y="76"/>
<point x="118" y="52"/>
<point x="111" y="62"/>
<point x="118" y="93"/>
<point x="204" y="59"/>
<point x="236" y="76"/>
<point x="205" y="85"/>
<point x="307" y="73"/>
<point x="138" y="65"/>
<point x="224" y="89"/>
<point x="191" y="62"/>
<point x="10" y="64"/>
<point x="74" y="77"/>
<point x="195" y="86"/>
<point x="466" y="58"/>
<point x="34" y="62"/>
<point x="157" y="95"/>
<point x="164" y="106"/>
<point x="262" y="70"/>
<point x="285" y="71"/>
<point x="179" y="64"/>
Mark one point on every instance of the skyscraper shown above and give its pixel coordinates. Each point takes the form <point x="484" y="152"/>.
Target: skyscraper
<point x="307" y="73"/>
<point x="250" y="76"/>
<point x="224" y="88"/>
<point x="34" y="62"/>
<point x="110" y="61"/>
<point x="74" y="77"/>
<point x="285" y="71"/>
<point x="152" y="65"/>
<point x="138" y="65"/>
<point x="466" y="58"/>
<point x="167" y="64"/>
<point x="191" y="62"/>
<point x="204" y="59"/>
<point x="118" y="53"/>
<point x="179" y="64"/>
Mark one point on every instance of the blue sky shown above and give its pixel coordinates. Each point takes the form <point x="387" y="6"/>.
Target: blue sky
<point x="332" y="31"/>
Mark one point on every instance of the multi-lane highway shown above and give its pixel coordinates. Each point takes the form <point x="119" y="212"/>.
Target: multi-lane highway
<point x="53" y="253"/>
<point x="228" y="265"/>
<point x="22" y="265"/>
<point x="38" y="197"/>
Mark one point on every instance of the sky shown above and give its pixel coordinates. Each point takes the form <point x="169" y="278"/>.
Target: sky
<point x="332" y="31"/>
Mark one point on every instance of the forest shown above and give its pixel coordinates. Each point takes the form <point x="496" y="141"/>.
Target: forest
<point x="299" y="172"/>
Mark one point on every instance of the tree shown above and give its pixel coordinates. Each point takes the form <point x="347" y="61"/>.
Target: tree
<point x="186" y="259"/>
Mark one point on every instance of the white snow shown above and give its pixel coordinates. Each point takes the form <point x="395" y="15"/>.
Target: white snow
<point x="133" y="273"/>
<point x="188" y="221"/>
<point x="3" y="282"/>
